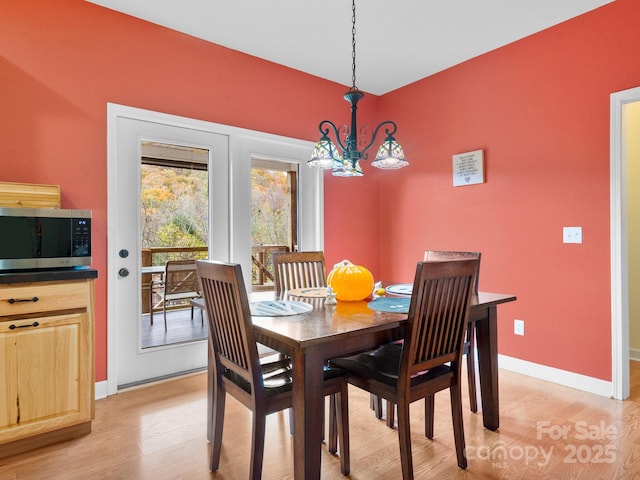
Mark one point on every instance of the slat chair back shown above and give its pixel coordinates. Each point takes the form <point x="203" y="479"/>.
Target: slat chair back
<point x="231" y="330"/>
<point x="469" y="344"/>
<point x="446" y="255"/>
<point x="180" y="282"/>
<point x="181" y="277"/>
<point x="438" y="316"/>
<point x="298" y="270"/>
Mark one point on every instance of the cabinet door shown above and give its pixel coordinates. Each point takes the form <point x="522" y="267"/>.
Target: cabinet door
<point x="45" y="365"/>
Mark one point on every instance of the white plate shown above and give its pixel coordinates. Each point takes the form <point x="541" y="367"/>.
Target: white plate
<point x="279" y="308"/>
<point x="400" y="289"/>
<point x="315" y="292"/>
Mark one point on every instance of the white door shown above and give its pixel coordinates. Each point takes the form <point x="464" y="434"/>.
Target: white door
<point x="134" y="364"/>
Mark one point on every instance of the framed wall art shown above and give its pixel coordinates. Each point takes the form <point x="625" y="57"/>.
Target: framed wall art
<point x="468" y="168"/>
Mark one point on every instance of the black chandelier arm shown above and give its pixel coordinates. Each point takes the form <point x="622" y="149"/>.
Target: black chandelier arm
<point x="388" y="131"/>
<point x="325" y="132"/>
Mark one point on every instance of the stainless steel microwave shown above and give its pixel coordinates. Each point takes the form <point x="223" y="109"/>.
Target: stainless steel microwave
<point x="44" y="238"/>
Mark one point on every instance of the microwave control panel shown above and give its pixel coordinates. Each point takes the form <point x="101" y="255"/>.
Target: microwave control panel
<point x="81" y="237"/>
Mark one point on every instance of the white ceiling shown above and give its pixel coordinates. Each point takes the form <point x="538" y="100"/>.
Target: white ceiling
<point x="398" y="42"/>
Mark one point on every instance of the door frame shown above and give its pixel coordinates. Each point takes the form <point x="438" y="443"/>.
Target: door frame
<point x="244" y="144"/>
<point x="620" y="388"/>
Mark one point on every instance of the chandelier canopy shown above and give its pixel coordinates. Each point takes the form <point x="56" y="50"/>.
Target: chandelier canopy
<point x="346" y="161"/>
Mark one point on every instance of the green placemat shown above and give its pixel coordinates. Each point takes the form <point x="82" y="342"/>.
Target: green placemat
<point x="390" y="304"/>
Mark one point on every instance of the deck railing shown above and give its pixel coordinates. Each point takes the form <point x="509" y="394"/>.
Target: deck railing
<point x="158" y="256"/>
<point x="261" y="265"/>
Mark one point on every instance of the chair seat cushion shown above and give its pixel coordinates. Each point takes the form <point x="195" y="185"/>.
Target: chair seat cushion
<point x="277" y="377"/>
<point x="383" y="365"/>
<point x="274" y="362"/>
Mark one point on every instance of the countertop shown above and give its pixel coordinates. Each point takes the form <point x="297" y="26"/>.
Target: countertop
<point x="47" y="275"/>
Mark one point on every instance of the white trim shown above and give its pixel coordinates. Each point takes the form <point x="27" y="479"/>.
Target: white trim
<point x="101" y="390"/>
<point x="185" y="122"/>
<point x="242" y="150"/>
<point x="555" y="375"/>
<point x="619" y="247"/>
<point x="313" y="211"/>
<point x="634" y="354"/>
<point x="113" y="112"/>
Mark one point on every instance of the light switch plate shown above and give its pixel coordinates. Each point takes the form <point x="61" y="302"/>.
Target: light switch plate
<point x="572" y="234"/>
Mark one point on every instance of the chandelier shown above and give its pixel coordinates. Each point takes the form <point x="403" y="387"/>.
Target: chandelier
<point x="347" y="164"/>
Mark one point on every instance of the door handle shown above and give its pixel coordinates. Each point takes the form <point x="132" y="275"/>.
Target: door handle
<point x="13" y="326"/>
<point x="123" y="272"/>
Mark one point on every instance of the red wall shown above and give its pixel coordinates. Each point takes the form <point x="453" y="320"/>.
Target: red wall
<point x="63" y="61"/>
<point x="539" y="108"/>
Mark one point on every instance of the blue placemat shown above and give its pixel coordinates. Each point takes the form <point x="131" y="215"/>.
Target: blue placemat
<point x="390" y="304"/>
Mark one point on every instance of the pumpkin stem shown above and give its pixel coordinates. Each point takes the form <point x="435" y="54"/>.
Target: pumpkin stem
<point x="343" y="263"/>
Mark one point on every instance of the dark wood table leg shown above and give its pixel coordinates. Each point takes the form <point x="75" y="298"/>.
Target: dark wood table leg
<point x="308" y="412"/>
<point x="487" y="344"/>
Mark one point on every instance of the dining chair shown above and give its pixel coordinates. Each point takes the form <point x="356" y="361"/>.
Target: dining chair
<point x="264" y="389"/>
<point x="298" y="270"/>
<point x="470" y="341"/>
<point x="294" y="270"/>
<point x="429" y="358"/>
<point x="469" y="344"/>
<point x="179" y="282"/>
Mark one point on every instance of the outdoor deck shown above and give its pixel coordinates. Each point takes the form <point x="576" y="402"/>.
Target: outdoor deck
<point x="180" y="328"/>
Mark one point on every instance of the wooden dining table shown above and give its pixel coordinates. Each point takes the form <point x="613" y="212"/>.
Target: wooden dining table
<point x="350" y="327"/>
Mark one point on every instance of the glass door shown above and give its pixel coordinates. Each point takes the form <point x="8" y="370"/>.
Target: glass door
<point x="274" y="217"/>
<point x="164" y="208"/>
<point x="174" y="227"/>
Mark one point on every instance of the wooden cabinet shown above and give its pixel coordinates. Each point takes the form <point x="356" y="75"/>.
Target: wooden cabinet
<point x="46" y="369"/>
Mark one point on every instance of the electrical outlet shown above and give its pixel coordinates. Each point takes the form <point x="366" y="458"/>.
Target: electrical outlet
<point x="518" y="327"/>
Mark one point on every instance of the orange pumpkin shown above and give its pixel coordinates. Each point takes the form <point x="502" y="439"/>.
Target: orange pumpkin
<point x="350" y="282"/>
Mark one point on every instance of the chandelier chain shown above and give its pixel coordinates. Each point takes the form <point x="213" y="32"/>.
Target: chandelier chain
<point x="353" y="44"/>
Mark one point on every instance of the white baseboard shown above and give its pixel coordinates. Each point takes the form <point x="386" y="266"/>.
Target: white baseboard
<point x="634" y="354"/>
<point x="555" y="375"/>
<point x="550" y="374"/>
<point x="101" y="390"/>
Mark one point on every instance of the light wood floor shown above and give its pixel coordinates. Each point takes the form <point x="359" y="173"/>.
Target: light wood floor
<point x="158" y="432"/>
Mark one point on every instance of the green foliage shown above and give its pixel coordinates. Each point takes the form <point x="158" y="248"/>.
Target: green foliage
<point x="174" y="207"/>
<point x="270" y="207"/>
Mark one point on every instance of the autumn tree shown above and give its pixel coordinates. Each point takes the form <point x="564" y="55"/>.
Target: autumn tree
<point x="174" y="207"/>
<point x="270" y="207"/>
<point x="175" y="201"/>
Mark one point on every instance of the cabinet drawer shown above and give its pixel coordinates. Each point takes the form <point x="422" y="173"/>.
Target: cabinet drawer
<point x="42" y="297"/>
